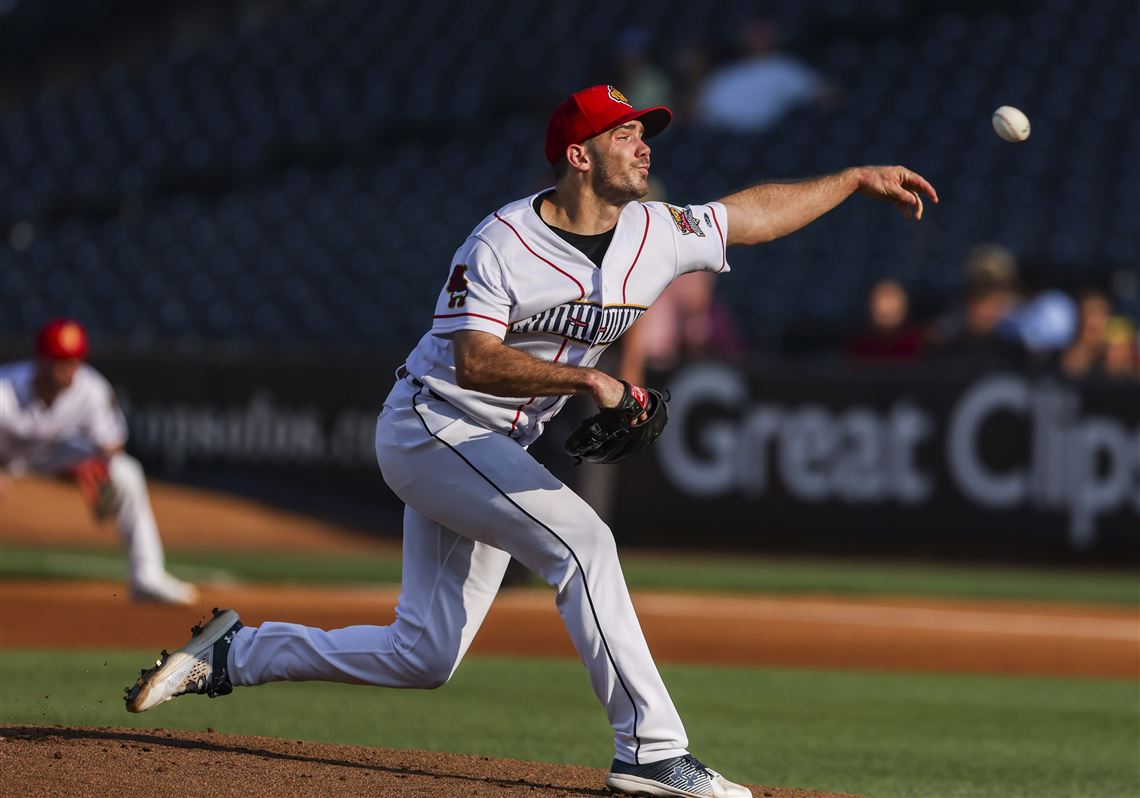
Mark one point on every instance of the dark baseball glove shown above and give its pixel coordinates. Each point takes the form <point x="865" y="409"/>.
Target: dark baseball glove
<point x="612" y="434"/>
<point x="94" y="480"/>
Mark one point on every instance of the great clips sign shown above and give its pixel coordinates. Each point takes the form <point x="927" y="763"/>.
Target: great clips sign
<point x="1017" y="464"/>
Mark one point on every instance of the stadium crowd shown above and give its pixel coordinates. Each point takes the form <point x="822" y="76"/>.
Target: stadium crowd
<point x="1003" y="321"/>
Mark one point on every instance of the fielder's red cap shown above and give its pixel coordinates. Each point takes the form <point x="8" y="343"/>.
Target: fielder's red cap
<point x="62" y="339"/>
<point x="595" y="110"/>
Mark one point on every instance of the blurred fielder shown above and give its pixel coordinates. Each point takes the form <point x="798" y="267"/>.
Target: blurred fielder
<point x="59" y="417"/>
<point x="532" y="299"/>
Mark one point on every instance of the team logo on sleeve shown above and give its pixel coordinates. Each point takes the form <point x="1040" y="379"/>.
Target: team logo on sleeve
<point x="457" y="286"/>
<point x="685" y="221"/>
<point x="618" y="97"/>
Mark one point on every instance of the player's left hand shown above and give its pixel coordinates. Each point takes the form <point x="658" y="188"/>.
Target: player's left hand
<point x="94" y="480"/>
<point x="897" y="185"/>
<point x="617" y="433"/>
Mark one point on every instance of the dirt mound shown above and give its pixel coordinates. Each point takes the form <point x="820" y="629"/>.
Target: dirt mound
<point x="142" y="763"/>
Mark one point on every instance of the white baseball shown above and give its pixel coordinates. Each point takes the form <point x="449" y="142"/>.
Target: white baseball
<point x="1011" y="124"/>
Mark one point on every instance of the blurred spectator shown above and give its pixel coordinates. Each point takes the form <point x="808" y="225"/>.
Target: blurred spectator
<point x="686" y="321"/>
<point x="1122" y="349"/>
<point x="1085" y="355"/>
<point x="635" y="73"/>
<point x="1044" y="324"/>
<point x="888" y="337"/>
<point x="752" y="94"/>
<point x="975" y="338"/>
<point x="990" y="265"/>
<point x="1104" y="345"/>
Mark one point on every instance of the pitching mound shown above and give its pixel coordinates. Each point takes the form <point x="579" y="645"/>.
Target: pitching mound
<point x="143" y="763"/>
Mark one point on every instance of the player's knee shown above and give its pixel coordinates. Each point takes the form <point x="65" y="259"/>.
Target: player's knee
<point x="597" y="542"/>
<point x="436" y="680"/>
<point x="586" y="546"/>
<point x="435" y="672"/>
<point x="126" y="470"/>
<point x="430" y="662"/>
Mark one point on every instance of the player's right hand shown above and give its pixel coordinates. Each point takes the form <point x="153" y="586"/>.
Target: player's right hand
<point x="897" y="185"/>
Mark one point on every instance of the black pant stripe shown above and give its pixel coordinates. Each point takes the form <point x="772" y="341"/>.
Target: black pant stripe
<point x="581" y="570"/>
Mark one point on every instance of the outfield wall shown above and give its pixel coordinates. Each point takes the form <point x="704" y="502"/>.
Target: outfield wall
<point x="824" y="460"/>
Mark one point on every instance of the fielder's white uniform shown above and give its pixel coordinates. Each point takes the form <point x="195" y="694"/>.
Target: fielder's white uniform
<point x="83" y="421"/>
<point x="474" y="496"/>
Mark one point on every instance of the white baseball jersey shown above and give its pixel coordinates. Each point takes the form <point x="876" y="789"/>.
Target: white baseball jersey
<point x="517" y="279"/>
<point x="84" y="418"/>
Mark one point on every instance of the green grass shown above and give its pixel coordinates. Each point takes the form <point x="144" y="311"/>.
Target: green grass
<point x="874" y="734"/>
<point x="857" y="577"/>
<point x="54" y="563"/>
<point x="643" y="571"/>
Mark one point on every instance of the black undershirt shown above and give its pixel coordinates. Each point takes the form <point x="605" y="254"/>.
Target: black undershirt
<point x="593" y="247"/>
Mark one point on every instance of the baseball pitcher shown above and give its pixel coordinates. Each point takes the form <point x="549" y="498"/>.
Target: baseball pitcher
<point x="528" y="304"/>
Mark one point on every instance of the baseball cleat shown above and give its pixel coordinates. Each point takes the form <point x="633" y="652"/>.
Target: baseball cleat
<point x="682" y="775"/>
<point x="198" y="667"/>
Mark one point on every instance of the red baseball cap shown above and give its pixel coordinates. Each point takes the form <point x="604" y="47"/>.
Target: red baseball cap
<point x="595" y="110"/>
<point x="62" y="339"/>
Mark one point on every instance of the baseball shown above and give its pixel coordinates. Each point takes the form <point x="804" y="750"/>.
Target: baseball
<point x="1011" y="124"/>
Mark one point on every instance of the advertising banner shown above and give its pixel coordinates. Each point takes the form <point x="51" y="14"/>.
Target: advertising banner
<point x="904" y="461"/>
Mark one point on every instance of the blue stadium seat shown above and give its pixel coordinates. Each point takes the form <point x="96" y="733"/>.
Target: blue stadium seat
<point x="303" y="174"/>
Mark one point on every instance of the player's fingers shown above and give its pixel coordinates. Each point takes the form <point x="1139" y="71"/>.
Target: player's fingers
<point x="900" y="196"/>
<point x="910" y="207"/>
<point x="913" y="180"/>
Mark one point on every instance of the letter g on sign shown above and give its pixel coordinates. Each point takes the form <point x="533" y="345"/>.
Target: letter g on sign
<point x="712" y="470"/>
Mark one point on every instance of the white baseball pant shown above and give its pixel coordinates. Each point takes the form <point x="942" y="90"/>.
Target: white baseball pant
<point x="474" y="498"/>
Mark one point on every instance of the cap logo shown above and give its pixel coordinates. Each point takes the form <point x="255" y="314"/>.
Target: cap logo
<point x="70" y="338"/>
<point x="618" y="97"/>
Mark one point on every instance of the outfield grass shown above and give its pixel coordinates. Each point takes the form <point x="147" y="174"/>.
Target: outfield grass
<point x="275" y="567"/>
<point x="874" y="734"/>
<point x="857" y="577"/>
<point x="747" y="574"/>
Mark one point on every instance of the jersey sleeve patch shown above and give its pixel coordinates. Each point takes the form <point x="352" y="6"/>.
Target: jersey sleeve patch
<point x="457" y="286"/>
<point x="685" y="221"/>
<point x="699" y="236"/>
<point x="473" y="297"/>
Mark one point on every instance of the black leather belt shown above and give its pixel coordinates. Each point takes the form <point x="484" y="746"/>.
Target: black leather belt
<point x="402" y="373"/>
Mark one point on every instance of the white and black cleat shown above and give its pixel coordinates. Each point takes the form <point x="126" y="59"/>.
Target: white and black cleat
<point x="683" y="775"/>
<point x="198" y="667"/>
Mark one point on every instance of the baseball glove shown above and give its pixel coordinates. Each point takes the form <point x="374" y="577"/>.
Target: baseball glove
<point x="612" y="434"/>
<point x="94" y="480"/>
